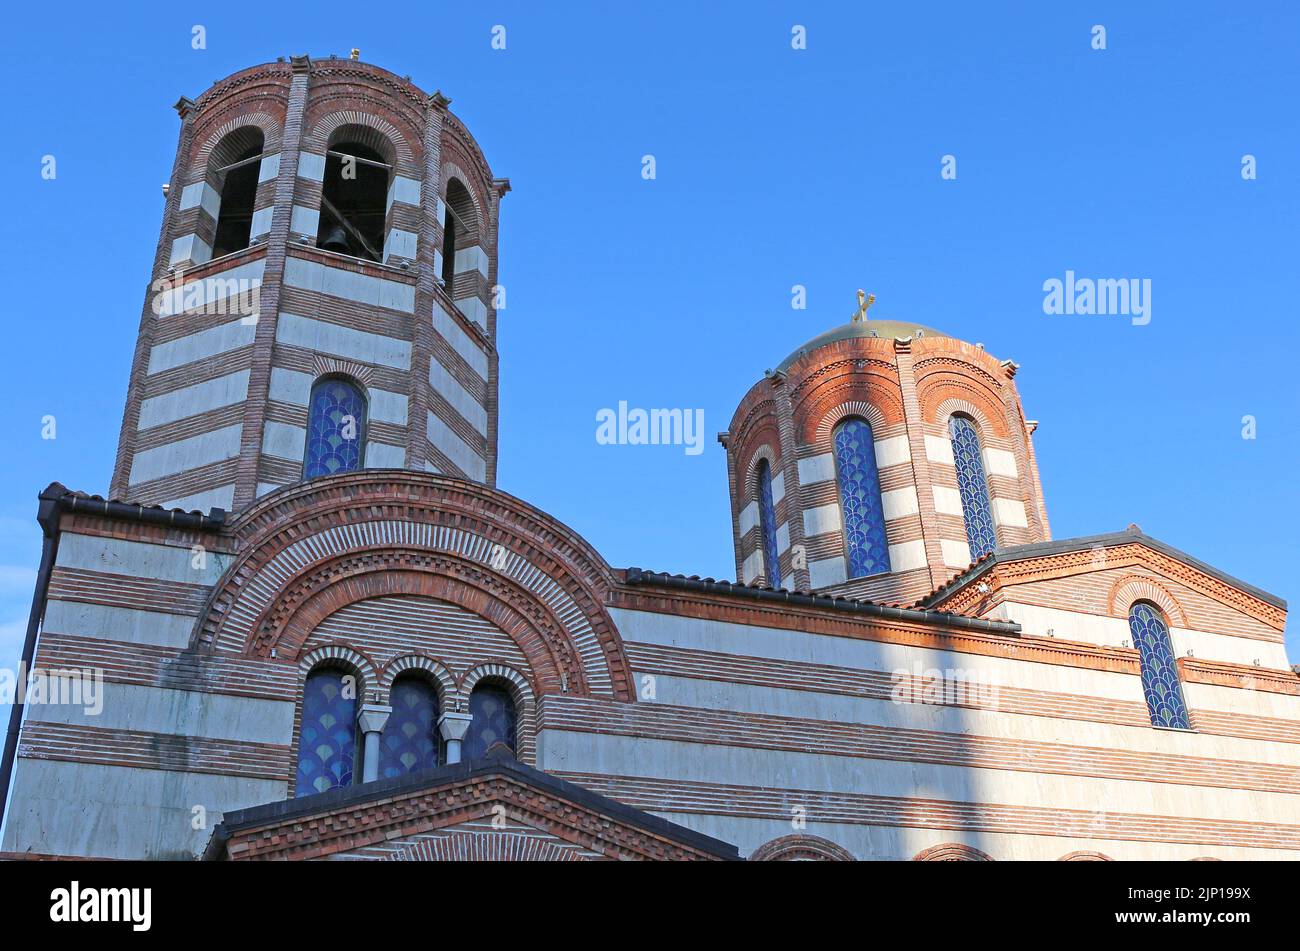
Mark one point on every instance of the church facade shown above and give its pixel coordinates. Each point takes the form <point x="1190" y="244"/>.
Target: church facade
<point x="314" y="629"/>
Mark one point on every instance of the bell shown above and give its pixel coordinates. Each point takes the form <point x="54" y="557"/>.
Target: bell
<point x="336" y="239"/>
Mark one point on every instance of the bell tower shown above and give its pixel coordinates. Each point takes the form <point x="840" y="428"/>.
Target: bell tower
<point x="321" y="298"/>
<point x="878" y="460"/>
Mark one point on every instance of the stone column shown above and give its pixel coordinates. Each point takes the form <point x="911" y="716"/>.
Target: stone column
<point x="453" y="727"/>
<point x="371" y="720"/>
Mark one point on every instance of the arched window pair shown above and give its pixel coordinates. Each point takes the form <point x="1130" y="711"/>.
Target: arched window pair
<point x="1160" y="684"/>
<point x="866" y="544"/>
<point x="328" y="745"/>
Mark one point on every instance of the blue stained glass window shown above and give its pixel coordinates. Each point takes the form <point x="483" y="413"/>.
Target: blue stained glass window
<point x="972" y="486"/>
<point x="865" y="541"/>
<point x="767" y="525"/>
<point x="410" y="737"/>
<point x="1160" y="684"/>
<point x="327" y="745"/>
<point x="336" y="428"/>
<point x="493" y="711"/>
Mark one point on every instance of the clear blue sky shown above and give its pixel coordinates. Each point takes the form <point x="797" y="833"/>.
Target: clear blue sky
<point x="775" y="167"/>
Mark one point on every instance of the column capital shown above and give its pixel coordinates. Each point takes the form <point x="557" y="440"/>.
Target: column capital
<point x="372" y="717"/>
<point x="454" y="726"/>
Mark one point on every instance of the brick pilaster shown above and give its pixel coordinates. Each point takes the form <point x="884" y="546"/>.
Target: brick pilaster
<point x="420" y="397"/>
<point x="790" y="467"/>
<point x="259" y="379"/>
<point x="1030" y="493"/>
<point x="119" y="484"/>
<point x="920" y="463"/>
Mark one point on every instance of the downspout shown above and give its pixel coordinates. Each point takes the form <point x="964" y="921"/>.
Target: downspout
<point x="48" y="517"/>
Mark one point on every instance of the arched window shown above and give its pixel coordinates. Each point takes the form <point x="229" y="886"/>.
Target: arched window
<point x="493" y="710"/>
<point x="354" y="194"/>
<point x="1160" y="684"/>
<point x="865" y="542"/>
<point x="459" y="229"/>
<point x="767" y="525"/>
<point x="972" y="486"/>
<point x="237" y="162"/>
<point x="410" y="737"/>
<point x="327" y="743"/>
<point x="336" y="428"/>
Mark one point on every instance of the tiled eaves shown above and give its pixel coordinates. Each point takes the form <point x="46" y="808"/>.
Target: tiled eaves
<point x="1132" y="535"/>
<point x="806" y="599"/>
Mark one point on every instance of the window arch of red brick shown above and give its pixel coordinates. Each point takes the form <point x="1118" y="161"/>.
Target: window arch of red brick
<point x="431" y="503"/>
<point x="1131" y="588"/>
<point x="433" y="671"/>
<point x="805" y="848"/>
<point x="1085" y="857"/>
<point x="951" y="852"/>
<point x="356" y="576"/>
<point x="953" y="383"/>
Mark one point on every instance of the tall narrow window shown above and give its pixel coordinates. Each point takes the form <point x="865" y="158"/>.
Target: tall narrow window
<point x="235" y="181"/>
<point x="972" y="486"/>
<point x="459" y="231"/>
<point x="493" y="710"/>
<point x="1160" y="683"/>
<point x="410" y="737"/>
<point x="354" y="199"/>
<point x="327" y="743"/>
<point x="448" y="246"/>
<point x="865" y="542"/>
<point x="767" y="525"/>
<point x="336" y="428"/>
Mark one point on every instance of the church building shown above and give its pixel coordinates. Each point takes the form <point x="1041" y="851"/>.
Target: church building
<point x="314" y="628"/>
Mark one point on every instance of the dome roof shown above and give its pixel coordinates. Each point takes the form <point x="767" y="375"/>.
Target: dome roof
<point x="886" y="329"/>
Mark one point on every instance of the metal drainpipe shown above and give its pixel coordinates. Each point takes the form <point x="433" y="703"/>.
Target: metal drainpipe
<point x="49" y="549"/>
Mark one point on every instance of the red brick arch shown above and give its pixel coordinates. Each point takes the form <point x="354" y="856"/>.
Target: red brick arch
<point x="1085" y="857"/>
<point x="308" y="600"/>
<point x="951" y="852"/>
<point x="308" y="550"/>
<point x="796" y="848"/>
<point x="1134" y="587"/>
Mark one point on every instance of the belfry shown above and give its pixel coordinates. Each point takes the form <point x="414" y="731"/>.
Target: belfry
<point x="317" y="630"/>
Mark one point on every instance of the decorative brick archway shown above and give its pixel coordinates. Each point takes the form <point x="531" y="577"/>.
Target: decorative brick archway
<point x="309" y="550"/>
<point x="952" y="852"/>
<point x="800" y="848"/>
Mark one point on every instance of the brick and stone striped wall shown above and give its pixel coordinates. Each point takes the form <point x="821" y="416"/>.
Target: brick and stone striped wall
<point x="217" y="405"/>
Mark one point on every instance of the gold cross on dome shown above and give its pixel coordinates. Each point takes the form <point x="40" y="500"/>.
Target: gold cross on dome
<point x="865" y="301"/>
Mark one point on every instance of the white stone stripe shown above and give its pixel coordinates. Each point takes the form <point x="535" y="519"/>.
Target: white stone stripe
<point x="1000" y="462"/>
<point x="138" y="560"/>
<point x="814" y="469"/>
<point x="359" y="345"/>
<point x="185" y="454"/>
<point x="1010" y="512"/>
<point x="456" y="449"/>
<point x="209" y="292"/>
<point x="459" y="341"/>
<point x="311" y="166"/>
<point x="459" y="397"/>
<point x="349" y="285"/>
<point x="202" y="345"/>
<point x="192" y="400"/>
